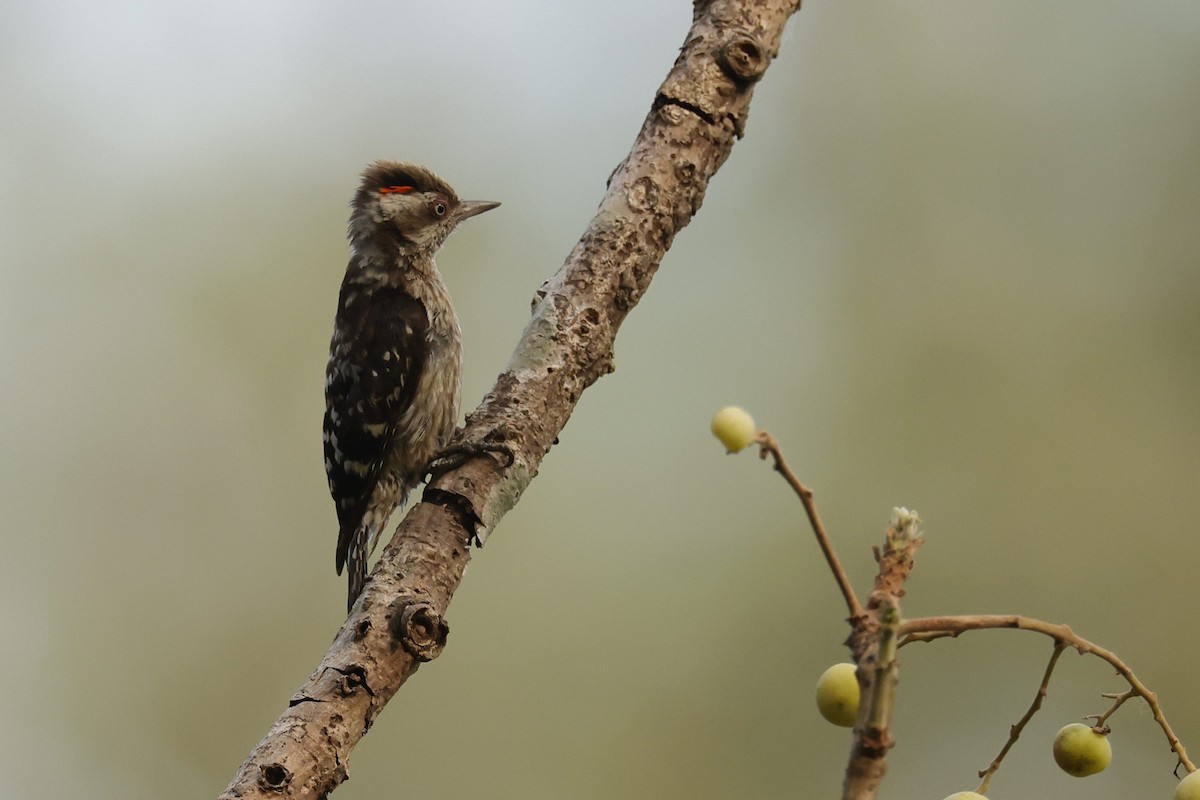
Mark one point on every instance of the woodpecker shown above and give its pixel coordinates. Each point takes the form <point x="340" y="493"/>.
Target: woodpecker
<point x="392" y="384"/>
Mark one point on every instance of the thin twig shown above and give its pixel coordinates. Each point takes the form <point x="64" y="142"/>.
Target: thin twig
<point x="912" y="629"/>
<point x="767" y="444"/>
<point x="910" y="638"/>
<point x="1014" y="732"/>
<point x="1119" y="698"/>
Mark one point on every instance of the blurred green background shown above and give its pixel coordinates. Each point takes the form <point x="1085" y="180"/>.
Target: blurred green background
<point x="954" y="265"/>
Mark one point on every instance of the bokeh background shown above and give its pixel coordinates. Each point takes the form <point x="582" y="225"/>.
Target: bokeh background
<point x="953" y="265"/>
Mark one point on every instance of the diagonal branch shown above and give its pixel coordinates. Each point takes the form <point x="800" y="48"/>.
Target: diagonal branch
<point x="698" y="112"/>
<point x="768" y="446"/>
<point x="1014" y="731"/>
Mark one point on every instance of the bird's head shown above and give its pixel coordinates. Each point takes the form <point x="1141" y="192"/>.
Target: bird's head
<point x="408" y="205"/>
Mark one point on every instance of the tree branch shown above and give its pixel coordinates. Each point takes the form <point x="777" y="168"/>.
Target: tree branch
<point x="874" y="640"/>
<point x="398" y="622"/>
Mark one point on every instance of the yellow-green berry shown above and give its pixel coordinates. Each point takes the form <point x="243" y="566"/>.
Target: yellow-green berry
<point x="1080" y="751"/>
<point x="734" y="427"/>
<point x="1189" y="787"/>
<point x="837" y="695"/>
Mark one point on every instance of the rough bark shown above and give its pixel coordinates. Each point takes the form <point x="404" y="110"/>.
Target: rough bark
<point x="697" y="114"/>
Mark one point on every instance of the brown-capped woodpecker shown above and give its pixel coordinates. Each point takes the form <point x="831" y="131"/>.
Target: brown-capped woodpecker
<point x="393" y="381"/>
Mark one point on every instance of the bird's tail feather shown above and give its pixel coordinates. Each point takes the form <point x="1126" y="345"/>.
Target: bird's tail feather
<point x="356" y="565"/>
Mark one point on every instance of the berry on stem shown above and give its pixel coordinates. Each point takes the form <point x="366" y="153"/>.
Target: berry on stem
<point x="734" y="427"/>
<point x="1189" y="787"/>
<point x="1080" y="751"/>
<point x="838" y="695"/>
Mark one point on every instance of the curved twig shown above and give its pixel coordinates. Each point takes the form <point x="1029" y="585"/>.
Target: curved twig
<point x="928" y="628"/>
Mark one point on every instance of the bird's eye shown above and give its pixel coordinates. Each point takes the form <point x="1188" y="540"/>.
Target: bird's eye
<point x="439" y="208"/>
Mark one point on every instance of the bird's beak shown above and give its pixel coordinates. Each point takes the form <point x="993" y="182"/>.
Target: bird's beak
<point x="470" y="208"/>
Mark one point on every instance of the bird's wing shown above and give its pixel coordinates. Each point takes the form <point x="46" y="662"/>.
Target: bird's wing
<point x="375" y="361"/>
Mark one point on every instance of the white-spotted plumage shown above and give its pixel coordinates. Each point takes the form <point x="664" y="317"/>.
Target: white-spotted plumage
<point x="395" y="360"/>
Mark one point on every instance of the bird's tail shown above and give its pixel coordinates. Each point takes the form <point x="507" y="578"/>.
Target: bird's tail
<point x="352" y="552"/>
<point x="357" y="541"/>
<point x="356" y="566"/>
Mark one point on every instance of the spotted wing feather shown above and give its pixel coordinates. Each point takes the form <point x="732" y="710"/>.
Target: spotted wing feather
<point x="376" y="358"/>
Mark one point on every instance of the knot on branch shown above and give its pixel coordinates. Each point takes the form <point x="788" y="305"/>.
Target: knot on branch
<point x="461" y="507"/>
<point x="642" y="195"/>
<point x="742" y="58"/>
<point x="274" y="777"/>
<point x="420" y="630"/>
<point x="874" y="744"/>
<point x="354" y="677"/>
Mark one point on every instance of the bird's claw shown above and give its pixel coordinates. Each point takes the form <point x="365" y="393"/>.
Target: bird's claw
<point x="457" y="455"/>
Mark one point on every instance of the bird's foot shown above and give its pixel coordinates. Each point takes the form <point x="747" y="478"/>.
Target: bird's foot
<point x="456" y="455"/>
